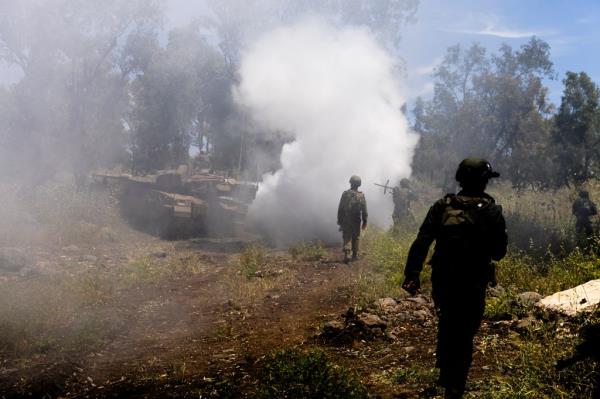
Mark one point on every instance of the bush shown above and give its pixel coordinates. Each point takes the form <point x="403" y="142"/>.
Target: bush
<point x="291" y="374"/>
<point x="252" y="258"/>
<point x="307" y="251"/>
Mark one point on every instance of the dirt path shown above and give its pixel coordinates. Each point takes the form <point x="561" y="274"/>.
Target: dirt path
<point x="188" y="324"/>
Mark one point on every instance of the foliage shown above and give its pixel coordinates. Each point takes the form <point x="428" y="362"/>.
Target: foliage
<point x="181" y="95"/>
<point x="489" y="105"/>
<point x="293" y="374"/>
<point x="577" y="129"/>
<point x="533" y="373"/>
<point x="307" y="251"/>
<point x="252" y="259"/>
<point x="66" y="111"/>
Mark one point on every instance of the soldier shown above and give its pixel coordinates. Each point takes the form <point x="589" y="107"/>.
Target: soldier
<point x="470" y="232"/>
<point x="402" y="196"/>
<point x="352" y="209"/>
<point x="583" y="210"/>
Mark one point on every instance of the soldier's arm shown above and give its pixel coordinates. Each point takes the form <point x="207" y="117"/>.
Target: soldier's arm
<point x="420" y="247"/>
<point x="340" y="215"/>
<point x="365" y="213"/>
<point x="499" y="237"/>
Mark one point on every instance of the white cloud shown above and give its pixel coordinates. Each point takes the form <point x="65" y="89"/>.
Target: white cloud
<point x="493" y="25"/>
<point x="429" y="69"/>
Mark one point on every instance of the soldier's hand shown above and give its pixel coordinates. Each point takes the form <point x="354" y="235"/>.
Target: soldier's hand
<point x="413" y="287"/>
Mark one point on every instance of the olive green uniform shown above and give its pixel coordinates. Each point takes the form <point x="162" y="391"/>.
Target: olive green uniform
<point x="352" y="212"/>
<point x="469" y="231"/>
<point x="583" y="209"/>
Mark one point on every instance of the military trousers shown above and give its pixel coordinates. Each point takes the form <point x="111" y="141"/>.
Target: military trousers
<point x="351" y="238"/>
<point x="460" y="312"/>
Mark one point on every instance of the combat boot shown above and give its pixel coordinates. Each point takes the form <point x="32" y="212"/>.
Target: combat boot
<point x="346" y="257"/>
<point x="354" y="256"/>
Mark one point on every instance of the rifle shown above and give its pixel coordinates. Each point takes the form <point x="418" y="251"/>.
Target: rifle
<point x="385" y="186"/>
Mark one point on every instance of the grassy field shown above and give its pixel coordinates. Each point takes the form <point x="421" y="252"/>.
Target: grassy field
<point x="64" y="309"/>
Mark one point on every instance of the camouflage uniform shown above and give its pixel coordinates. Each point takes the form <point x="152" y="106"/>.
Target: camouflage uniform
<point x="402" y="196"/>
<point x="583" y="209"/>
<point x="470" y="232"/>
<point x="352" y="210"/>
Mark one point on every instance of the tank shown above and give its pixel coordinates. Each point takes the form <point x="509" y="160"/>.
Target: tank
<point x="180" y="204"/>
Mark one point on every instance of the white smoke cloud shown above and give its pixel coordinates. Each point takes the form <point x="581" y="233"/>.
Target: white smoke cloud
<point x="335" y="91"/>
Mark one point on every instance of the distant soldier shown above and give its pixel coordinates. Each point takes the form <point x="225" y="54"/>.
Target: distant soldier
<point x="583" y="210"/>
<point x="351" y="211"/>
<point x="402" y="197"/>
<point x="470" y="232"/>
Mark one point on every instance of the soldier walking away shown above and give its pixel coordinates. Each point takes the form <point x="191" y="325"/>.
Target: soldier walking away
<point x="351" y="211"/>
<point x="402" y="196"/>
<point x="470" y="232"/>
<point x="583" y="210"/>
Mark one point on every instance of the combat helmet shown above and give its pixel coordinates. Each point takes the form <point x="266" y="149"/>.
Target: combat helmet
<point x="404" y="183"/>
<point x="475" y="169"/>
<point x="355" y="181"/>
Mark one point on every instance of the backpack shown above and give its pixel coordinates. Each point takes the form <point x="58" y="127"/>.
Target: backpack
<point x="463" y="224"/>
<point x="354" y="203"/>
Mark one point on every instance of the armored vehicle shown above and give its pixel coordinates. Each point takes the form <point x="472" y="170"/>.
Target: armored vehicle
<point x="179" y="203"/>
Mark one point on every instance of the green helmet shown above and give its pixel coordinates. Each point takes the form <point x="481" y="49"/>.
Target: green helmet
<point x="404" y="183"/>
<point x="475" y="169"/>
<point x="355" y="181"/>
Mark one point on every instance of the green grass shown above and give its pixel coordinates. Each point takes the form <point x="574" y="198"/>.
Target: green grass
<point x="542" y="257"/>
<point x="252" y="259"/>
<point x="311" y="251"/>
<point x="294" y="374"/>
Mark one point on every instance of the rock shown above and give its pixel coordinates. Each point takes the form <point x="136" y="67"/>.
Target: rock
<point x="89" y="258"/>
<point x="29" y="272"/>
<point x="371" y="321"/>
<point x="333" y="328"/>
<point x="386" y="303"/>
<point x="159" y="254"/>
<point x="525" y="323"/>
<point x="420" y="300"/>
<point x="12" y="259"/>
<point x="529" y="298"/>
<point x="421" y="314"/>
<point x="496" y="291"/>
<point x="409" y="349"/>
<point x="571" y="302"/>
<point x="70" y="248"/>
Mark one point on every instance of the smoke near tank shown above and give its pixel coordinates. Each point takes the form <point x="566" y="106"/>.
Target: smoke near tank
<point x="334" y="91"/>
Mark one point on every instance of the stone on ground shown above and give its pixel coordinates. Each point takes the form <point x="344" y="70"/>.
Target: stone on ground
<point x="575" y="300"/>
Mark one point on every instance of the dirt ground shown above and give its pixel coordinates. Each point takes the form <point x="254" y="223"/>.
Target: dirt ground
<point x="206" y="322"/>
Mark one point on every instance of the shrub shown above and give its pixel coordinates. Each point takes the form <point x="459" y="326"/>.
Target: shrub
<point x="291" y="374"/>
<point x="252" y="258"/>
<point x="307" y="251"/>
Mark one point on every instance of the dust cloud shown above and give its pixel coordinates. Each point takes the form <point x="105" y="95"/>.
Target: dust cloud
<point x="335" y="91"/>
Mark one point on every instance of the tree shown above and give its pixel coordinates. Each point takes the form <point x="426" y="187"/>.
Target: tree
<point x="177" y="97"/>
<point x="67" y="110"/>
<point x="577" y="131"/>
<point x="492" y="106"/>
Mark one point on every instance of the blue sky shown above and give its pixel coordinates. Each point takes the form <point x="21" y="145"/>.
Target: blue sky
<point x="570" y="27"/>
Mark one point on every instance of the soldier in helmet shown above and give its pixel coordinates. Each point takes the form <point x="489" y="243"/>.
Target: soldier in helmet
<point x="402" y="197"/>
<point x="583" y="210"/>
<point x="352" y="210"/>
<point x="470" y="232"/>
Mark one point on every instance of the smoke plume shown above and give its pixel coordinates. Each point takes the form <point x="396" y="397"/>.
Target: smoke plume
<point x="334" y="90"/>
